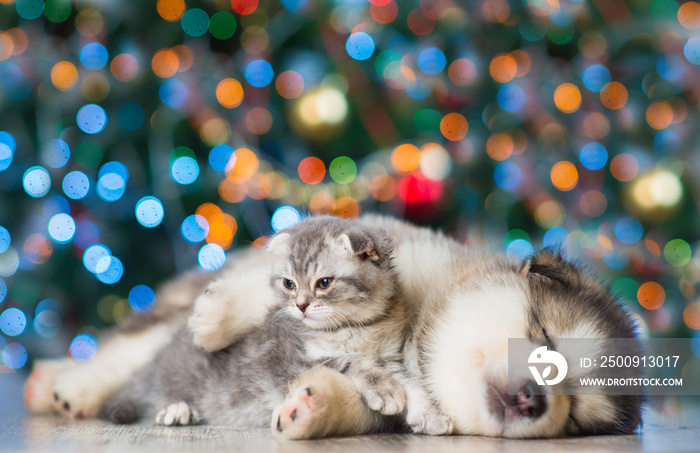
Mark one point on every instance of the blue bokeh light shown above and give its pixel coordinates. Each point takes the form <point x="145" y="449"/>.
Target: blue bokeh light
<point x="5" y="239"/>
<point x="30" y="9"/>
<point x="418" y="90"/>
<point x="284" y="217"/>
<point x="91" y="119"/>
<point x="219" y="157"/>
<point x="83" y="347"/>
<point x="47" y="322"/>
<point x="14" y="355"/>
<point x="93" y="255"/>
<point x="115" y="167"/>
<point x="114" y="271"/>
<point x="9" y="140"/>
<point x="94" y="56"/>
<point x="511" y="97"/>
<point x="76" y="185"/>
<point x="173" y="93"/>
<point x="695" y="344"/>
<point x="359" y="46"/>
<point x="111" y="187"/>
<point x="37" y="181"/>
<point x="667" y="142"/>
<point x="556" y="237"/>
<point x="211" y="257"/>
<point x="615" y="259"/>
<point x="691" y="50"/>
<point x="294" y="5"/>
<point x="62" y="228"/>
<point x="670" y="67"/>
<point x="149" y="212"/>
<point x="3" y="289"/>
<point x="194" y="228"/>
<point x="519" y="249"/>
<point x="141" y="298"/>
<point x="130" y="116"/>
<point x="596" y="77"/>
<point x="259" y="73"/>
<point x="55" y="205"/>
<point x="14" y="81"/>
<point x="593" y="156"/>
<point x="629" y="230"/>
<point x="507" y="175"/>
<point x="431" y="61"/>
<point x="12" y="322"/>
<point x="55" y="153"/>
<point x="184" y="170"/>
<point x="6" y="156"/>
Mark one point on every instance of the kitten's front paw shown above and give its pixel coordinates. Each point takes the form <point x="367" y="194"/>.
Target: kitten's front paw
<point x="383" y="394"/>
<point x="208" y="321"/>
<point x="430" y="422"/>
<point x="38" y="390"/>
<point x="79" y="392"/>
<point x="178" y="414"/>
<point x="300" y="416"/>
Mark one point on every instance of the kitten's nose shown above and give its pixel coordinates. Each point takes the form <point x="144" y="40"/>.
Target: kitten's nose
<point x="302" y="303"/>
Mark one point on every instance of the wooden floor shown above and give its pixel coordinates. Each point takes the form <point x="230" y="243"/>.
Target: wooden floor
<point x="20" y="432"/>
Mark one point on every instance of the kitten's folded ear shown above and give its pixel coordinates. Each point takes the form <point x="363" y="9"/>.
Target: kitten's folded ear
<point x="360" y="244"/>
<point x="278" y="244"/>
<point x="553" y="266"/>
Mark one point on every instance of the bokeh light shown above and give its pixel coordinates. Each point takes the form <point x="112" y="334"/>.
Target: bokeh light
<point x="564" y="176"/>
<point x="195" y="22"/>
<point x="149" y="211"/>
<point x="454" y="126"/>
<point x="259" y="73"/>
<point x="624" y="167"/>
<point x="284" y="217"/>
<point x="141" y="298"/>
<point x="311" y="170"/>
<point x="289" y="84"/>
<point x="37" y="181"/>
<point x="171" y="10"/>
<point x="55" y="153"/>
<point x="359" y="46"/>
<point x="62" y="228"/>
<point x="593" y="156"/>
<point x="195" y="228"/>
<point x="677" y="252"/>
<point x="14" y="355"/>
<point x="83" y="347"/>
<point x="94" y="56"/>
<point x="64" y="75"/>
<point x="432" y="61"/>
<point x="184" y="170"/>
<point x="614" y="95"/>
<point x="567" y="97"/>
<point x="91" y="119"/>
<point x="211" y="257"/>
<point x="12" y="322"/>
<point x="651" y="295"/>
<point x="343" y="170"/>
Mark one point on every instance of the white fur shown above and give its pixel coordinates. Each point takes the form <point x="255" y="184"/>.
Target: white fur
<point x="177" y="414"/>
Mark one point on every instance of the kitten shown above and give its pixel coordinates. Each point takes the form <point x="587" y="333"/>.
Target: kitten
<point x="343" y="310"/>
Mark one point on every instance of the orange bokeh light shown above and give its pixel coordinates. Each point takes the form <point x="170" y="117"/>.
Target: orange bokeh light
<point x="7" y="46"/>
<point x="500" y="146"/>
<point x="593" y="203"/>
<point x="503" y="68"/>
<point x="384" y="14"/>
<point x="405" y="158"/>
<point x="659" y="115"/>
<point x="567" y="97"/>
<point x="259" y="186"/>
<point x="624" y="167"/>
<point x="454" y="126"/>
<point x="311" y="170"/>
<point x="229" y="93"/>
<point x="383" y="187"/>
<point x="171" y="10"/>
<point x="689" y="15"/>
<point x="289" y="84"/>
<point x="165" y="63"/>
<point x="232" y="193"/>
<point x="564" y="175"/>
<point x="258" y="121"/>
<point x="222" y="229"/>
<point x="462" y="72"/>
<point x="124" y="67"/>
<point x="64" y="75"/>
<point x="321" y="203"/>
<point x="522" y="59"/>
<point x="651" y="295"/>
<point x="691" y="315"/>
<point x="346" y="207"/>
<point x="184" y="56"/>
<point x="614" y="95"/>
<point x="596" y="125"/>
<point x="245" y="165"/>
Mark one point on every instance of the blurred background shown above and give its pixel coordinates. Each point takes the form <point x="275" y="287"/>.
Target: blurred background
<point x="141" y="139"/>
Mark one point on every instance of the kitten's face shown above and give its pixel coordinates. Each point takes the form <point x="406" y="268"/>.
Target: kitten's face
<point x="332" y="274"/>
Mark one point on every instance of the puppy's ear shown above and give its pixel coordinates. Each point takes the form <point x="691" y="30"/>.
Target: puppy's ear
<point x="360" y="244"/>
<point x="278" y="244"/>
<point x="552" y="265"/>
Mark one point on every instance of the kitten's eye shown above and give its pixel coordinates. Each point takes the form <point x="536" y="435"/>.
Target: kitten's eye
<point x="288" y="284"/>
<point x="324" y="283"/>
<point x="550" y="343"/>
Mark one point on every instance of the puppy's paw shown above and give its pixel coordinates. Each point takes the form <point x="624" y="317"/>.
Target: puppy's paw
<point x="429" y="422"/>
<point x="301" y="416"/>
<point x="209" y="321"/>
<point x="383" y="394"/>
<point x="38" y="390"/>
<point x="178" y="414"/>
<point x="80" y="392"/>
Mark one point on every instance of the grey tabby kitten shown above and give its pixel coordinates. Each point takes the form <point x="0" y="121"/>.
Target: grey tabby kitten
<point x="340" y="308"/>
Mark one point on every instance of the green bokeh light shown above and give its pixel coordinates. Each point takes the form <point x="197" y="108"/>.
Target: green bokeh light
<point x="343" y="170"/>
<point x="222" y="25"/>
<point x="677" y="252"/>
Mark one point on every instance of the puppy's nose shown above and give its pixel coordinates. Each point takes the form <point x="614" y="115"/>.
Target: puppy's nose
<point x="529" y="404"/>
